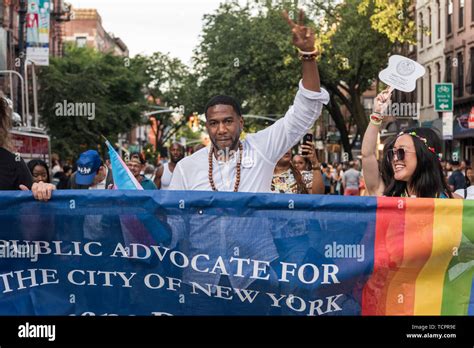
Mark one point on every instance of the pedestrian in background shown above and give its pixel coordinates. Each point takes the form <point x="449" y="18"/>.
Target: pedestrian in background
<point x="351" y="180"/>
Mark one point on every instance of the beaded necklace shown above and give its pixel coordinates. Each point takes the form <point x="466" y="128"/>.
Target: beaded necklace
<point x="237" y="179"/>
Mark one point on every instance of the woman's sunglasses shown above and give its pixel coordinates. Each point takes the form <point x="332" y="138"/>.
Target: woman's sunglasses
<point x="400" y="153"/>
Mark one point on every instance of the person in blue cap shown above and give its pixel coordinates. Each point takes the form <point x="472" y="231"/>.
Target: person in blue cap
<point x="91" y="174"/>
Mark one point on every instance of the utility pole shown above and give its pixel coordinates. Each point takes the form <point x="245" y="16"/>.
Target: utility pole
<point x="22" y="50"/>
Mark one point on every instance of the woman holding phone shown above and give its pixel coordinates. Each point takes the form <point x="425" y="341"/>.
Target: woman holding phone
<point x="289" y="178"/>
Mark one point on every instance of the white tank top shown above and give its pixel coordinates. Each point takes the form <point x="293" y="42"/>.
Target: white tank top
<point x="166" y="177"/>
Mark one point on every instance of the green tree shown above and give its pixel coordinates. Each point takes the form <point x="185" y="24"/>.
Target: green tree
<point x="382" y="14"/>
<point x="109" y="85"/>
<point x="353" y="52"/>
<point x="170" y="82"/>
<point x="246" y="52"/>
<point x="167" y="79"/>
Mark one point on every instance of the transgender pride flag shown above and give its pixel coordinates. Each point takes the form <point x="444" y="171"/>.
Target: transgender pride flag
<point x="123" y="178"/>
<point x="133" y="226"/>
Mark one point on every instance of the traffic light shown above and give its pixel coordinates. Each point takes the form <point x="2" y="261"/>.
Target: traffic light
<point x="196" y="120"/>
<point x="191" y="122"/>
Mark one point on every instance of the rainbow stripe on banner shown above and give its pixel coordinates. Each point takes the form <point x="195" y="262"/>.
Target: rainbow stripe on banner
<point x="423" y="258"/>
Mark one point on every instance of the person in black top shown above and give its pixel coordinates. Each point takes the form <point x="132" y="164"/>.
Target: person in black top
<point x="13" y="171"/>
<point x="14" y="174"/>
<point x="457" y="180"/>
<point x="63" y="177"/>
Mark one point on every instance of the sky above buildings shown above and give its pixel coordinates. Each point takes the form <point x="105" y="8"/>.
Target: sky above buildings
<point x="147" y="26"/>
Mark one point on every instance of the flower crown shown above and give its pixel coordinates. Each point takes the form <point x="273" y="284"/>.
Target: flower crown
<point x="424" y="141"/>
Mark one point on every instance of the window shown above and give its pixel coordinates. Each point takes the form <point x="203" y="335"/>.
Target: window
<point x="438" y="72"/>
<point x="449" y="18"/>
<point x="421" y="30"/>
<point x="461" y="14"/>
<point x="430" y="88"/>
<point x="448" y="69"/>
<point x="472" y="70"/>
<point x="81" y="41"/>
<point x="460" y="75"/>
<point x="438" y="18"/>
<point x="472" y="10"/>
<point x="430" y="27"/>
<point x="422" y="96"/>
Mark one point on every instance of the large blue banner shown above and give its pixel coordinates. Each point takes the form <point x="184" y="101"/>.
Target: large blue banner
<point x="184" y="253"/>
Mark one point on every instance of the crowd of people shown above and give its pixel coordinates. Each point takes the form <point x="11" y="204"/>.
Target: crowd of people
<point x="410" y="166"/>
<point x="298" y="171"/>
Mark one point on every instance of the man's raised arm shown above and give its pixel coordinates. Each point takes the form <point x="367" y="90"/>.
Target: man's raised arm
<point x="275" y="140"/>
<point x="303" y="39"/>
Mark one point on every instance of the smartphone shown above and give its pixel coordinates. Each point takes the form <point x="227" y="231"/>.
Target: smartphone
<point x="307" y="140"/>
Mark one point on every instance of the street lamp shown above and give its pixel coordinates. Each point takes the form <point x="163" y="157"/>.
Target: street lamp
<point x="154" y="115"/>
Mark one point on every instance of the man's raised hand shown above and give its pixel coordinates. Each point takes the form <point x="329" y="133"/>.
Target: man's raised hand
<point x="303" y="37"/>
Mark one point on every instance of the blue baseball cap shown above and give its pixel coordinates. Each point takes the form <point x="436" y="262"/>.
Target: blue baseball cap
<point x="88" y="164"/>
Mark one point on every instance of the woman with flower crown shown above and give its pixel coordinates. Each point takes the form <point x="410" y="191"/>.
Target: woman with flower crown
<point x="410" y="166"/>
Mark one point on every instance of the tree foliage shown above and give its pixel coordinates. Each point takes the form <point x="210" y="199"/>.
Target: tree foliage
<point x="246" y="52"/>
<point x="391" y="18"/>
<point x="112" y="85"/>
<point x="355" y="48"/>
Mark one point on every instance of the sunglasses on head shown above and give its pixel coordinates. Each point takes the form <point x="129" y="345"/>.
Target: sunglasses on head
<point x="400" y="153"/>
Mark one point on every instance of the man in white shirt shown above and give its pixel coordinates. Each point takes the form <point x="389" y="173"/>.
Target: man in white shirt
<point x="247" y="166"/>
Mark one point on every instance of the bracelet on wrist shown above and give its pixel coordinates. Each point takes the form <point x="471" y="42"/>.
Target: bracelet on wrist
<point x="375" y="120"/>
<point x="306" y="53"/>
<point x="376" y="117"/>
<point x="310" y="57"/>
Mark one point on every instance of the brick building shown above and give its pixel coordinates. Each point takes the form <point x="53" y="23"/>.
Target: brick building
<point x="10" y="43"/>
<point x="85" y="29"/>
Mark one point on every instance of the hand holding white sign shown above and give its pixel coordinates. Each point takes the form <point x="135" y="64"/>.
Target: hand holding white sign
<point x="402" y="73"/>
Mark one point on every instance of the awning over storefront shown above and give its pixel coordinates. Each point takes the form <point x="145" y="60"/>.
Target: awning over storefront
<point x="461" y="128"/>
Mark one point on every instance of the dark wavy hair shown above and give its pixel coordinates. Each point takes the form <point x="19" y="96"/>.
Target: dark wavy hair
<point x="307" y="162"/>
<point x="385" y="166"/>
<point x="428" y="179"/>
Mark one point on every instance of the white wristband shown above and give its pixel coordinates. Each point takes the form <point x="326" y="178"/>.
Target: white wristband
<point x="307" y="53"/>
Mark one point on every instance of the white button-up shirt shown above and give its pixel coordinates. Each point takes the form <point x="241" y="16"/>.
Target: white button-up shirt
<point x="261" y="151"/>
